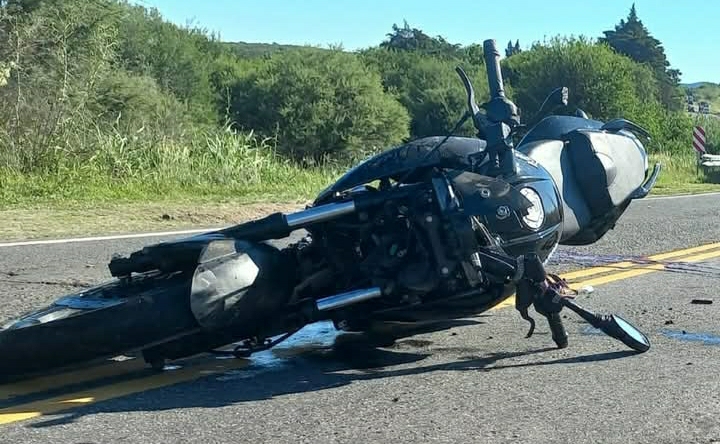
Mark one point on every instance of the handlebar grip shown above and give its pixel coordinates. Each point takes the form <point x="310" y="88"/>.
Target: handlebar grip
<point x="559" y="335"/>
<point x="492" y="64"/>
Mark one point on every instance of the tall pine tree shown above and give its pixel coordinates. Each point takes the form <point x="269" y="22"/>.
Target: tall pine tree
<point x="631" y="38"/>
<point x="512" y="50"/>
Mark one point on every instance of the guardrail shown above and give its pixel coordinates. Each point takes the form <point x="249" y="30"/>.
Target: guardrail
<point x="710" y="164"/>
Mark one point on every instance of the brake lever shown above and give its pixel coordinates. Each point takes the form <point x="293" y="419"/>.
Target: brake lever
<point x="544" y="291"/>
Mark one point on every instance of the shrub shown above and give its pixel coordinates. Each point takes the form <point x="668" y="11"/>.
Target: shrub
<point x="604" y="84"/>
<point x="428" y="87"/>
<point x="318" y="102"/>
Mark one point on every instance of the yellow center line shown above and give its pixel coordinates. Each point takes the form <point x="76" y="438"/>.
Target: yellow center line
<point x="45" y="383"/>
<point x="72" y="400"/>
<point x="642" y="270"/>
<point x="623" y="265"/>
<point x="83" y="397"/>
<point x="638" y="271"/>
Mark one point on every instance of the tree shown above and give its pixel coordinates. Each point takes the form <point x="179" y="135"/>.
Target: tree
<point x="513" y="49"/>
<point x="58" y="52"/>
<point x="631" y="38"/>
<point x="601" y="82"/>
<point x="428" y="87"/>
<point x="179" y="59"/>
<point x="413" y="39"/>
<point x="318" y="102"/>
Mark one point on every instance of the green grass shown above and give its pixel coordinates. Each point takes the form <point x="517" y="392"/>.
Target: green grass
<point x="216" y="166"/>
<point x="213" y="167"/>
<point x="210" y="179"/>
<point x="679" y="175"/>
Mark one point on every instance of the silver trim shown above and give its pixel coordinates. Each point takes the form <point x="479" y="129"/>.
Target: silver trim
<point x="530" y="237"/>
<point x="349" y="298"/>
<point x="319" y="214"/>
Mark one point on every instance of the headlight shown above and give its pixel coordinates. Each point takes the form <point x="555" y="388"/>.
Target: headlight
<point x="536" y="214"/>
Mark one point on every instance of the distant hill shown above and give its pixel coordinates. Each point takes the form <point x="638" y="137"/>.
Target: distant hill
<point x="245" y="49"/>
<point x="694" y="85"/>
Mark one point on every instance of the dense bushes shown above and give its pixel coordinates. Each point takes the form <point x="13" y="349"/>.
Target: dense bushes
<point x="318" y="102"/>
<point x="428" y="87"/>
<point x="99" y="82"/>
<point x="603" y="83"/>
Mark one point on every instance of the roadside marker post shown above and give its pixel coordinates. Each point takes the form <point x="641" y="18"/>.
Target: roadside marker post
<point x="699" y="145"/>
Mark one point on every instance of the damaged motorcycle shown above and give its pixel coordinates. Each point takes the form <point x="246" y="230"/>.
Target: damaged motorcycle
<point x="439" y="228"/>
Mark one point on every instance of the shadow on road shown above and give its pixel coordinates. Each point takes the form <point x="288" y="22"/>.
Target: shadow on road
<point x="349" y="359"/>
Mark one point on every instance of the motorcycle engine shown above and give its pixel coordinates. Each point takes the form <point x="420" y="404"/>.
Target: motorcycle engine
<point x="404" y="246"/>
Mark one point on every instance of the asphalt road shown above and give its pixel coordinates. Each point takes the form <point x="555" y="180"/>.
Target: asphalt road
<point x="478" y="382"/>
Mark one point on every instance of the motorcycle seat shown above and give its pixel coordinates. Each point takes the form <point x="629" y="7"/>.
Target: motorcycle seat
<point x="596" y="172"/>
<point x="553" y="156"/>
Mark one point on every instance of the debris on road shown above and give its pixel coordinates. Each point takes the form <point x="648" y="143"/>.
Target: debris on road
<point x="701" y="301"/>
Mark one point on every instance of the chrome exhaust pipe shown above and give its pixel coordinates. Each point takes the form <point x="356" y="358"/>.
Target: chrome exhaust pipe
<point x="319" y="214"/>
<point x="349" y="298"/>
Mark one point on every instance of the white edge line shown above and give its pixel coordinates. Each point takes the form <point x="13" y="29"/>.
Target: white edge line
<point x="681" y="196"/>
<point x="103" y="238"/>
<point x="202" y="230"/>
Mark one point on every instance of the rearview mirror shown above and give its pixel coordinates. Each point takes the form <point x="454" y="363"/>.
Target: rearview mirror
<point x="556" y="98"/>
<point x="612" y="325"/>
<point x="620" y="329"/>
<point x="559" y="96"/>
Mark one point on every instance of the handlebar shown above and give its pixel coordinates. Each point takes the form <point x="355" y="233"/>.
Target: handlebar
<point x="557" y="329"/>
<point x="500" y="119"/>
<point x="492" y="63"/>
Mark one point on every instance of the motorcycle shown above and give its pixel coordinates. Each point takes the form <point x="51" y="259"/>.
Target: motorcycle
<point x="439" y="228"/>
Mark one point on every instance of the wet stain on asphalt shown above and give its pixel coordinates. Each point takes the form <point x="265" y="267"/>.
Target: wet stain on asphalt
<point x="683" y="335"/>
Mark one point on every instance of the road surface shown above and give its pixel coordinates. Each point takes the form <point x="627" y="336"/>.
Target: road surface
<point x="481" y="381"/>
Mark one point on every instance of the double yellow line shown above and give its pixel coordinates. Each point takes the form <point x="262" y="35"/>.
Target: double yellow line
<point x="60" y="403"/>
<point x="625" y="270"/>
<point x="143" y="380"/>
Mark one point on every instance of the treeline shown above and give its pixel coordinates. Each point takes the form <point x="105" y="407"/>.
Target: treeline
<point x="78" y="76"/>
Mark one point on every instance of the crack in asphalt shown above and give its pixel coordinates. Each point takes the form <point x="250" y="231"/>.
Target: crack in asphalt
<point x="61" y="283"/>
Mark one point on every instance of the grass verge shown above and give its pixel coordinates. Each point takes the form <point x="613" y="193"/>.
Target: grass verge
<point x="679" y="175"/>
<point x="240" y="184"/>
<point x="210" y="179"/>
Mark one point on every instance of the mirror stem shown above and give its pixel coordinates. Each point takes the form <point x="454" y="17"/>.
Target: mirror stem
<point x="584" y="313"/>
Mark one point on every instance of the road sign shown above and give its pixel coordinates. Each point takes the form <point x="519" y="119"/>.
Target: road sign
<point x="699" y="139"/>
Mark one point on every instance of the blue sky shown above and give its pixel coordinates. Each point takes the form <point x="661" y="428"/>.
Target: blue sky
<point x="688" y="29"/>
